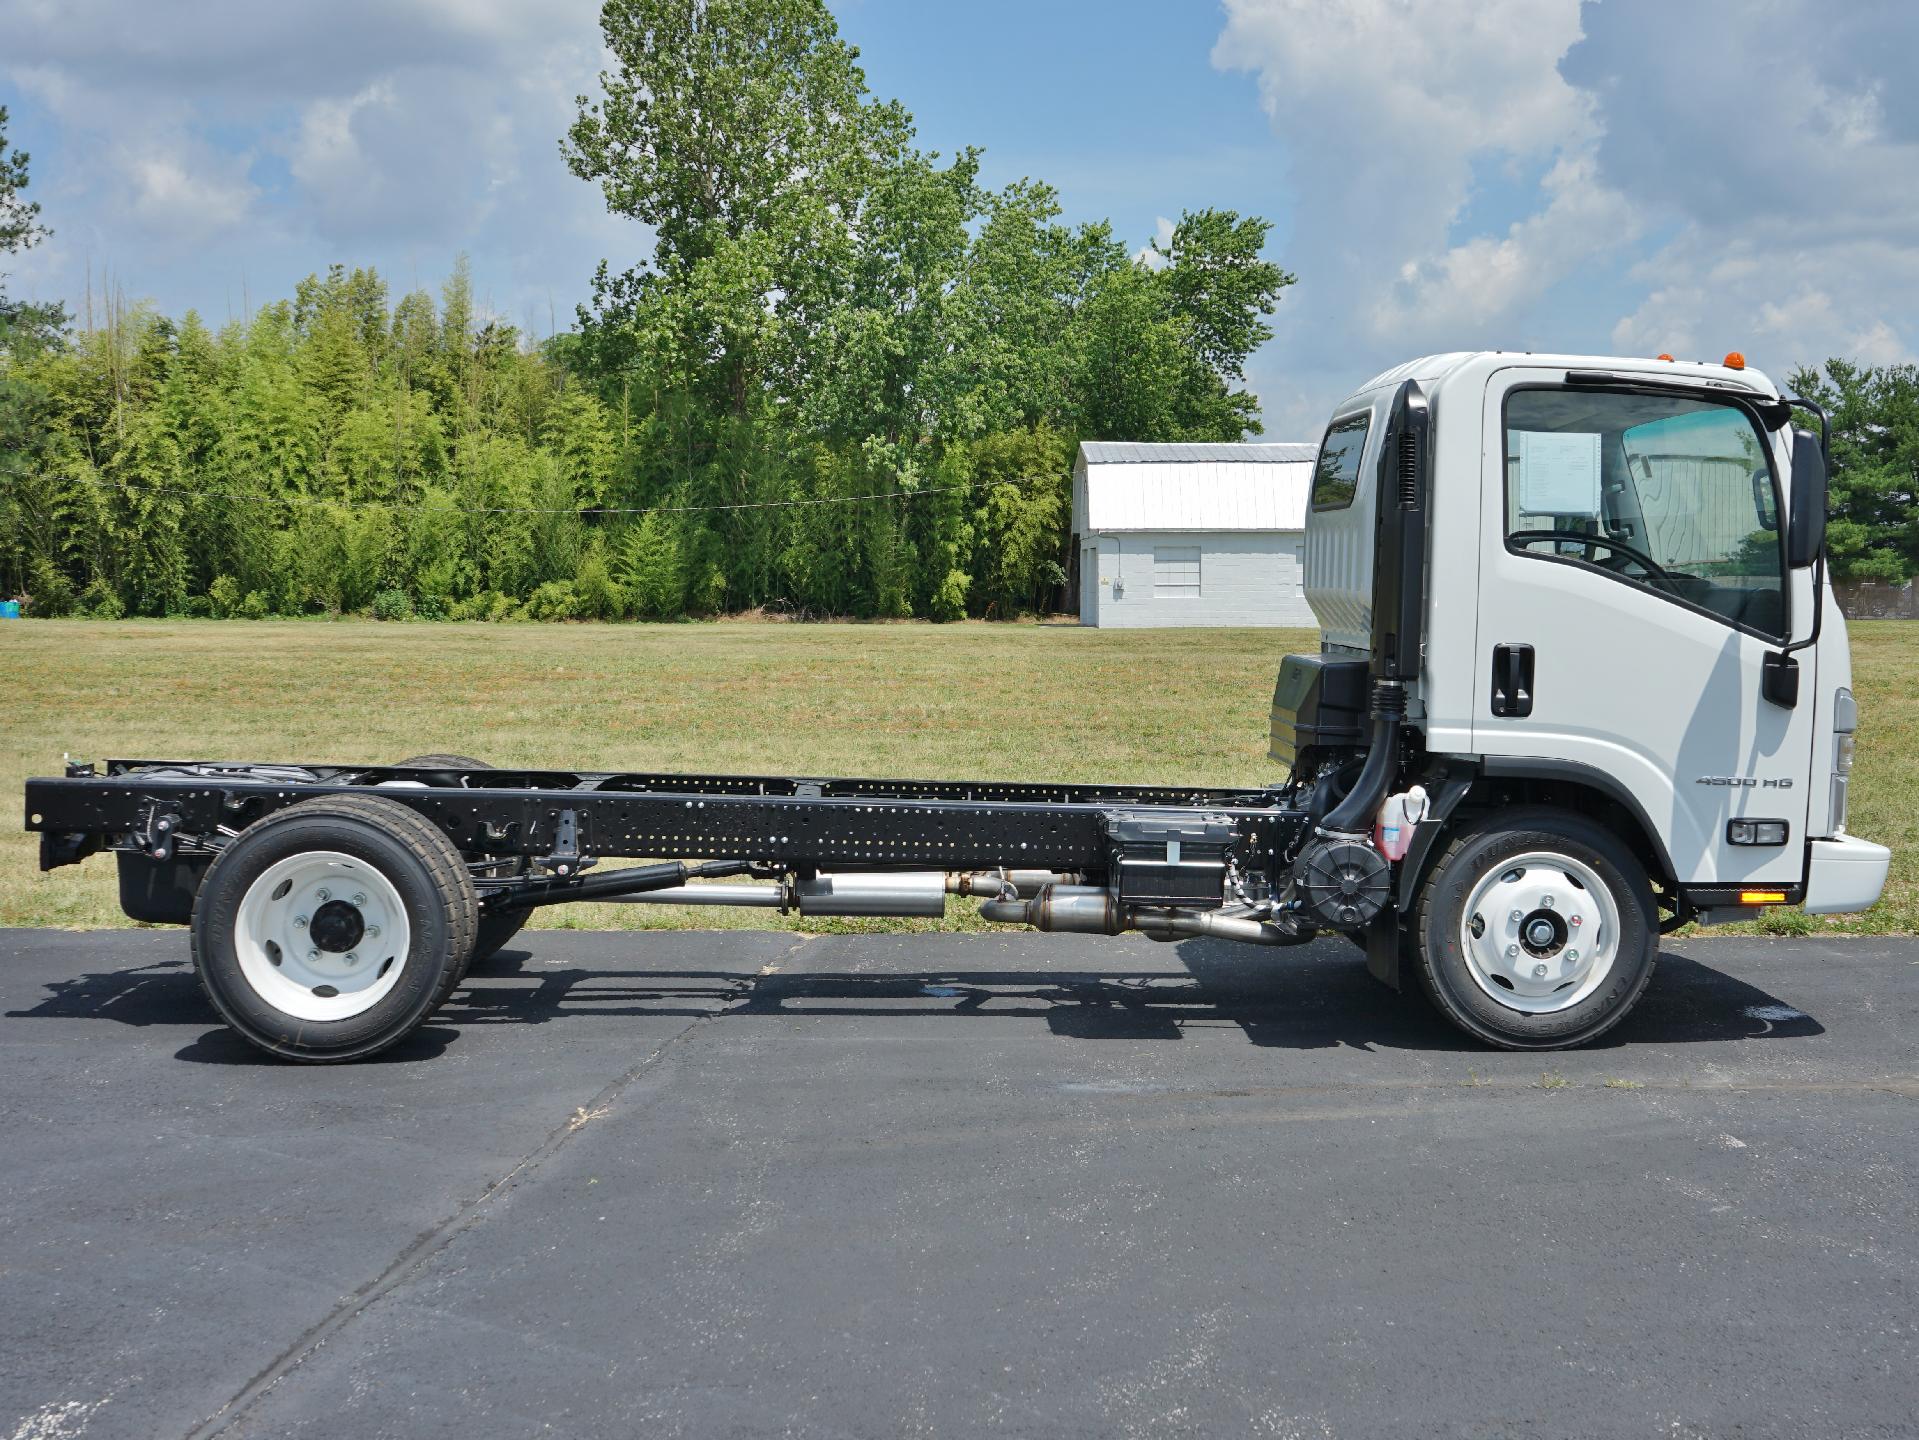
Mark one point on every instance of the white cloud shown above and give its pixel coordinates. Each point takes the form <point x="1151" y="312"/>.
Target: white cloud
<point x="234" y="139"/>
<point x="1389" y="113"/>
<point x="183" y="193"/>
<point x="1709" y="176"/>
<point x="1776" y="153"/>
<point x="1781" y="307"/>
<point x="1488" y="277"/>
<point x="1162" y="237"/>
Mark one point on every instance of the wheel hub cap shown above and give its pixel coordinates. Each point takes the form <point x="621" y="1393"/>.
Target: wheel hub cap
<point x="337" y="927"/>
<point x="321" y="936"/>
<point x="1544" y="933"/>
<point x="1540" y="932"/>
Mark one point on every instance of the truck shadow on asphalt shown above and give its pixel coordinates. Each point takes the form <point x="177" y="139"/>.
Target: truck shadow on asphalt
<point x="1316" y="998"/>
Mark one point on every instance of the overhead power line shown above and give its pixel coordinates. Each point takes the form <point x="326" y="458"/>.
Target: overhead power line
<point x="252" y="497"/>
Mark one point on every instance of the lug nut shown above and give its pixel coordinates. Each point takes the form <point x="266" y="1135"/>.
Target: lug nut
<point x="1512" y="952"/>
<point x="372" y="932"/>
<point x="323" y="894"/>
<point x="299" y="922"/>
<point x="358" y="899"/>
<point x="354" y="959"/>
<point x="1545" y="902"/>
<point x="1519" y="915"/>
<point x="313" y="954"/>
<point x="1539" y="972"/>
<point x="1572" y="954"/>
<point x="1575" y="920"/>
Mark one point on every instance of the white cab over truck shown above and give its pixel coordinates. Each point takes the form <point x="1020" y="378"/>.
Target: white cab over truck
<point x="1623" y="672"/>
<point x="1581" y="681"/>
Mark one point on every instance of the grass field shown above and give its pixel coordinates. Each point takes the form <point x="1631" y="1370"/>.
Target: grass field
<point x="988" y="701"/>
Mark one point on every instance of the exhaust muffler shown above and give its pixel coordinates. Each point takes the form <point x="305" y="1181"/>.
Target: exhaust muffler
<point x="916" y="892"/>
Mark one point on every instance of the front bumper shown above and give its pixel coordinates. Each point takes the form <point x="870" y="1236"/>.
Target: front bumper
<point x="1844" y="875"/>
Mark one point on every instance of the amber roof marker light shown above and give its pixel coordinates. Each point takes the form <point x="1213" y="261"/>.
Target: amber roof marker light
<point x="1735" y="361"/>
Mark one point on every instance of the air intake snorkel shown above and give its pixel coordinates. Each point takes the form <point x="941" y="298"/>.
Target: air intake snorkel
<point x="1399" y="600"/>
<point x="1342" y="878"/>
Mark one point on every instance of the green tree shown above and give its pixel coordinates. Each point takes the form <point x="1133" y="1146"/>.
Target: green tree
<point x="648" y="564"/>
<point x="20" y="226"/>
<point x="1218" y="282"/>
<point x="579" y="435"/>
<point x="742" y="132"/>
<point x="1873" y="529"/>
<point x="845" y="379"/>
<point x="34" y="509"/>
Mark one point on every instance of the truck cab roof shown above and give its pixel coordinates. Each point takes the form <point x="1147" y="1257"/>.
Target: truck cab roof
<point x="1431" y="370"/>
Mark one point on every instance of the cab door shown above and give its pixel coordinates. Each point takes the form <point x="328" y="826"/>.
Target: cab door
<point x="1633" y="582"/>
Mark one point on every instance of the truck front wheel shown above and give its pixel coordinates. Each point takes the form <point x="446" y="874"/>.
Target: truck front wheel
<point x="1535" y="930"/>
<point x="331" y="929"/>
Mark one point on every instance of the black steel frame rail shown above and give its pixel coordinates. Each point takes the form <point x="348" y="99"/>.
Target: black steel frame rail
<point x="795" y="822"/>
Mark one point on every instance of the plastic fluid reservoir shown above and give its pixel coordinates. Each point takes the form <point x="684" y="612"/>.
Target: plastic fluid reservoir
<point x="1398" y="814"/>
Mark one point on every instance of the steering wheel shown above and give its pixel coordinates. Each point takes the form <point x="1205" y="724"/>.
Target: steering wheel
<point x="1591" y="543"/>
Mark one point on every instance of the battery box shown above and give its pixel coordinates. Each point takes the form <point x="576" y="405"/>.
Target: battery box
<point x="1170" y="858"/>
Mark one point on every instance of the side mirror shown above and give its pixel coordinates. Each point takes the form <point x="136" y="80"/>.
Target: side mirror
<point x="1806" y="526"/>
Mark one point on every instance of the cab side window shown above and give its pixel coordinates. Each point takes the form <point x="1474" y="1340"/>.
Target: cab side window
<point x="1674" y="495"/>
<point x="1336" y="472"/>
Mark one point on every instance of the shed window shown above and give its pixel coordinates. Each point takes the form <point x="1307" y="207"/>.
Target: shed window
<point x="1176" y="572"/>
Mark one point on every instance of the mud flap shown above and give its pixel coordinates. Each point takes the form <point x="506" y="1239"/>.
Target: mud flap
<point x="1384" y="948"/>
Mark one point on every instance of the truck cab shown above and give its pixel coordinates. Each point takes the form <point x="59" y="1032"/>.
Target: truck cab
<point x="1600" y="585"/>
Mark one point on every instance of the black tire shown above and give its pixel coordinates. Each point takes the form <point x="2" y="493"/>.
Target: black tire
<point x="1447" y="975"/>
<point x="408" y="853"/>
<point x="495" y="930"/>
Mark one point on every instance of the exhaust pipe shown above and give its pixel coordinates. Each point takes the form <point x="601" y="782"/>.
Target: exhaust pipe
<point x="914" y="893"/>
<point x="1090" y="910"/>
<point x="920" y="893"/>
<point x="1181" y="924"/>
<point x="994" y="884"/>
<point x="764" y="897"/>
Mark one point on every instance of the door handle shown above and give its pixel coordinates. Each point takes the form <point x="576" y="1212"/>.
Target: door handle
<point x="1512" y="680"/>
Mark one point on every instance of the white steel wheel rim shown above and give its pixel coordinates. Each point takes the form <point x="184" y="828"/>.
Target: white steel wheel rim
<point x="355" y="959"/>
<point x="1540" y="932"/>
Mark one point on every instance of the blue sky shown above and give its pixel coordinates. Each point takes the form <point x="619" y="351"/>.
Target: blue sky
<point x="1616" y="175"/>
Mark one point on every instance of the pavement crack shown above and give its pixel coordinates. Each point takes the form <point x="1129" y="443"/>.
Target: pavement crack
<point x="468" y="1214"/>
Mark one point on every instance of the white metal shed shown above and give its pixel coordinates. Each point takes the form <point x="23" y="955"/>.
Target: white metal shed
<point x="1191" y="534"/>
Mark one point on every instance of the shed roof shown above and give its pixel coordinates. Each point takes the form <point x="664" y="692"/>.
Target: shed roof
<point x="1128" y="452"/>
<point x="1119" y="487"/>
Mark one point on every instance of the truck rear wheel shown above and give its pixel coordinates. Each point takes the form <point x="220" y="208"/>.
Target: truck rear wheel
<point x="331" y="929"/>
<point x="1535" y="930"/>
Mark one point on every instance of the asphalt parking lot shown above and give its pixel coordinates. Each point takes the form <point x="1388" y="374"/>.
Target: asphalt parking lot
<point x="744" y="1184"/>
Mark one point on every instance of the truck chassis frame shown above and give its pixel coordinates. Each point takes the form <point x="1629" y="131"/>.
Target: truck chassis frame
<point x="563" y="822"/>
